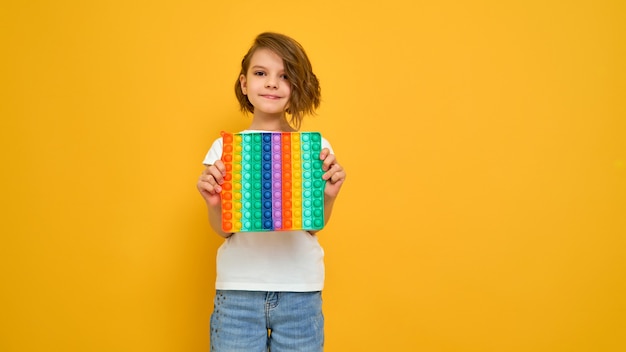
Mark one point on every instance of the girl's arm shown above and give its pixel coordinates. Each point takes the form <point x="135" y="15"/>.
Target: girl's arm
<point x="335" y="175"/>
<point x="209" y="187"/>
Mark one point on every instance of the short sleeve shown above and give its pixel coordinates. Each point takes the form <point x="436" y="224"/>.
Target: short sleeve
<point x="214" y="153"/>
<point x="326" y="144"/>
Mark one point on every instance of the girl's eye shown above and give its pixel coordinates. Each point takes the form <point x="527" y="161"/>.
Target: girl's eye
<point x="284" y="77"/>
<point x="259" y="73"/>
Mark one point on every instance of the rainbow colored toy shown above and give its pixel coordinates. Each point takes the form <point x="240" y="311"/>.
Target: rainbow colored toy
<point x="273" y="181"/>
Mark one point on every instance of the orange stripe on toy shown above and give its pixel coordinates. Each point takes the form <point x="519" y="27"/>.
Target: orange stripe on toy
<point x="287" y="216"/>
<point x="227" y="186"/>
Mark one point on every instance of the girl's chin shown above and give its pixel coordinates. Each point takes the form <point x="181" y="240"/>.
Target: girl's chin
<point x="274" y="111"/>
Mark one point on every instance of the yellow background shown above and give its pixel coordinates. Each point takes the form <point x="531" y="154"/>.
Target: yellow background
<point x="485" y="145"/>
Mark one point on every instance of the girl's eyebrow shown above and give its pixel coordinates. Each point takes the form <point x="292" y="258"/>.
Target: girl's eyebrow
<point x="259" y="67"/>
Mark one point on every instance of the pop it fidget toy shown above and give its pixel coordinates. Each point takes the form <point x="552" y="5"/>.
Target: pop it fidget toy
<point x="273" y="181"/>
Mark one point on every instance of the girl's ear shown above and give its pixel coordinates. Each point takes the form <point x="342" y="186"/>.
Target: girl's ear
<point x="242" y="81"/>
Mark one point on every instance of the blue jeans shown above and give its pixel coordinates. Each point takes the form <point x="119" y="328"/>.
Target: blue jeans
<point x="252" y="321"/>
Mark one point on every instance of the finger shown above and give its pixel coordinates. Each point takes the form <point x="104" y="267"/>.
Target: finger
<point x="324" y="153"/>
<point x="217" y="184"/>
<point x="329" y="160"/>
<point x="205" y="186"/>
<point x="208" y="177"/>
<point x="337" y="177"/>
<point x="216" y="174"/>
<point x="219" y="164"/>
<point x="334" y="168"/>
<point x="336" y="174"/>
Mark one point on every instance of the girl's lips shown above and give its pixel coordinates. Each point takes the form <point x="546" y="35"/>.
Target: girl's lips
<point x="270" y="96"/>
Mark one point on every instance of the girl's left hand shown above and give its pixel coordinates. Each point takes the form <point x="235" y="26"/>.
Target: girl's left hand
<point x="335" y="174"/>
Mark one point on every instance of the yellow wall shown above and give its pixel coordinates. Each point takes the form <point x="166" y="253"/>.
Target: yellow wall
<point x="485" y="141"/>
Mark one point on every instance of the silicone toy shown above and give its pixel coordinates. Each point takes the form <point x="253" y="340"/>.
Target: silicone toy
<point x="273" y="181"/>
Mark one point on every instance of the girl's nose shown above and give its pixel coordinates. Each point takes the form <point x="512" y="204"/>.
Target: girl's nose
<point x="271" y="83"/>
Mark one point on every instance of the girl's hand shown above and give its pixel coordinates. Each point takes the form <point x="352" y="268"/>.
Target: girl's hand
<point x="210" y="181"/>
<point x="335" y="174"/>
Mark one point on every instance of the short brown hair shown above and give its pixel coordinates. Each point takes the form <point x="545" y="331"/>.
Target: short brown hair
<point x="305" y="88"/>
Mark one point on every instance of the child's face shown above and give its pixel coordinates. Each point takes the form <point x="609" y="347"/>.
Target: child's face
<point x="266" y="83"/>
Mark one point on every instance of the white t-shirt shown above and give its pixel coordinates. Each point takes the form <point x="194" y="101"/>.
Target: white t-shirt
<point x="268" y="261"/>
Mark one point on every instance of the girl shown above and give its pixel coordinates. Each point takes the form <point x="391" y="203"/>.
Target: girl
<point x="269" y="284"/>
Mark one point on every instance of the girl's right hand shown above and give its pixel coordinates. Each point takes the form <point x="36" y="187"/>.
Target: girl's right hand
<point x="210" y="181"/>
